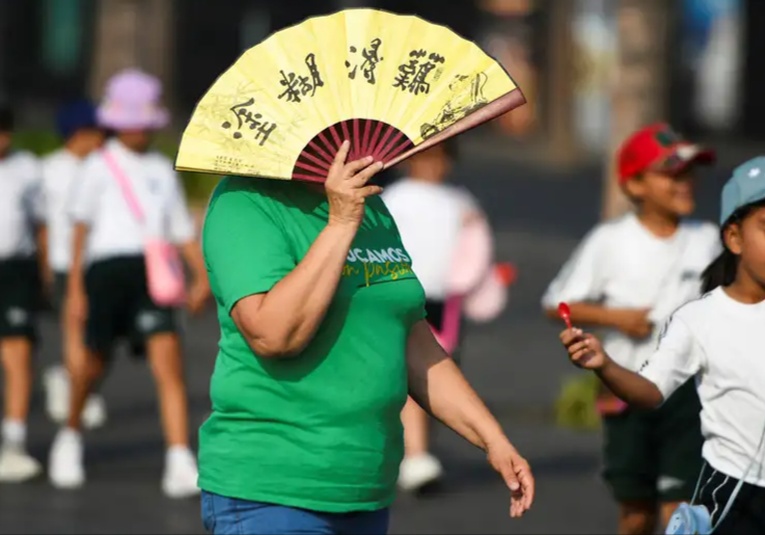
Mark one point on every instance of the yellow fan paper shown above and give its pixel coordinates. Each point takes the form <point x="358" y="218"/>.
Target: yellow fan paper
<point x="393" y="85"/>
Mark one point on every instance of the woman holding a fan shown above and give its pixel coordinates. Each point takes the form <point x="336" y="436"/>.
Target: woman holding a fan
<point x="323" y="335"/>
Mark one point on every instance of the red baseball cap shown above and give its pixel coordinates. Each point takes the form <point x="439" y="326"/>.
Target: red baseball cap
<point x="658" y="148"/>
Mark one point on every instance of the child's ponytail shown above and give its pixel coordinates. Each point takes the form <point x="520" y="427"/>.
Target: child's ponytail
<point x="721" y="272"/>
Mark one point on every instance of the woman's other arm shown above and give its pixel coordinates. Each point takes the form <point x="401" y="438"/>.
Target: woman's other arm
<point x="437" y="384"/>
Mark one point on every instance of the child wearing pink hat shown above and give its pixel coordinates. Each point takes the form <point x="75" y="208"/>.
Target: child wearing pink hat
<point x="128" y="194"/>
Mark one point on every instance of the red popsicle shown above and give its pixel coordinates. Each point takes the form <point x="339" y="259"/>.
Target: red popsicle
<point x="565" y="314"/>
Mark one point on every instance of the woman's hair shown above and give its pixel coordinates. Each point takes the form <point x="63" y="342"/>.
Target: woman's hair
<point x="722" y="271"/>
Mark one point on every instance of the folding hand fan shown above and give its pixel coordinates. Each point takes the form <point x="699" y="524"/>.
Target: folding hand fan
<point x="393" y="85"/>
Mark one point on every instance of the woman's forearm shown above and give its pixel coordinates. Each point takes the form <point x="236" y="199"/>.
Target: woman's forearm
<point x="629" y="386"/>
<point x="437" y="384"/>
<point x="286" y="318"/>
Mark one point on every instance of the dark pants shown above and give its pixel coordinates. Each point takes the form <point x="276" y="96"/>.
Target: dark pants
<point x="747" y="514"/>
<point x="231" y="516"/>
<point x="655" y="455"/>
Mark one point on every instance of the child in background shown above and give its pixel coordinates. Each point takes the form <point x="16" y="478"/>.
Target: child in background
<point x="107" y="285"/>
<point x="431" y="216"/>
<point x="627" y="276"/>
<point x="77" y="126"/>
<point x="717" y="341"/>
<point x="21" y="226"/>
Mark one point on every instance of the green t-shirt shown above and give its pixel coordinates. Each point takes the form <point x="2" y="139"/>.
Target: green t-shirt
<point x="320" y="431"/>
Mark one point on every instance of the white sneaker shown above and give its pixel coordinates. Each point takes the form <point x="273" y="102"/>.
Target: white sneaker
<point x="66" y="470"/>
<point x="181" y="474"/>
<point x="417" y="472"/>
<point x="56" y="384"/>
<point x="94" y="413"/>
<point x="16" y="465"/>
<point x="56" y="381"/>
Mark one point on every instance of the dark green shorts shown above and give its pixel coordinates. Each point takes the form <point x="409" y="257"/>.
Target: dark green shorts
<point x="655" y="455"/>
<point x="119" y="306"/>
<point x="20" y="297"/>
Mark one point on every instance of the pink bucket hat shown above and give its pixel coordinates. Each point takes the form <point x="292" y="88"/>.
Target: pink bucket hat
<point x="132" y="102"/>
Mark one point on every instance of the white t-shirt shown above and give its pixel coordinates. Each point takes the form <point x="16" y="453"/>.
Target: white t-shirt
<point x="60" y="170"/>
<point x="21" y="204"/>
<point x="98" y="201"/>
<point x="719" y="341"/>
<point x="429" y="217"/>
<point x="621" y="264"/>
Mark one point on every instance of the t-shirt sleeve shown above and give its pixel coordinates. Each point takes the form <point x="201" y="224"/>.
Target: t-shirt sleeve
<point x="676" y="359"/>
<point x="85" y="193"/>
<point x="245" y="250"/>
<point x="181" y="222"/>
<point x="581" y="278"/>
<point x="34" y="198"/>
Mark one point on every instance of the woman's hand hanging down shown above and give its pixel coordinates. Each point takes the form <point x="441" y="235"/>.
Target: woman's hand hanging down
<point x="280" y="323"/>
<point x="347" y="188"/>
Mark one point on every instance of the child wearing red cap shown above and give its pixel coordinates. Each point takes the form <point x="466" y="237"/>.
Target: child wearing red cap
<point x="627" y="276"/>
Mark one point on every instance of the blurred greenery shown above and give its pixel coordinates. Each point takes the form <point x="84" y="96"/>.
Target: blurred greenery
<point x="198" y="186"/>
<point x="575" y="406"/>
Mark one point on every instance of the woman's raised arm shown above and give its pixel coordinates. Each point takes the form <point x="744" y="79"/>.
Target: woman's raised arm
<point x="281" y="322"/>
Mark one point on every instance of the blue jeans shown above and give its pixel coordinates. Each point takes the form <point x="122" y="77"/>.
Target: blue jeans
<point x="231" y="516"/>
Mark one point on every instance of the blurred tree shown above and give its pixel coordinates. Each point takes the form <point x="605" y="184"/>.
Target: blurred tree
<point x="639" y="85"/>
<point x="132" y="33"/>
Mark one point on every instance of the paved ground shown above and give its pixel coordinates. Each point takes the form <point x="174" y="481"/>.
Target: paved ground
<point x="514" y="363"/>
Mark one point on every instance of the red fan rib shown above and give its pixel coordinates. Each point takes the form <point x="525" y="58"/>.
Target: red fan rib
<point x="368" y="138"/>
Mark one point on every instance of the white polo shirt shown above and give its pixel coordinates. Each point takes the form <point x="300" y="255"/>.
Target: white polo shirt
<point x="429" y="217"/>
<point x="720" y="342"/>
<point x="21" y="204"/>
<point x="60" y="170"/>
<point x="621" y="264"/>
<point x="98" y="201"/>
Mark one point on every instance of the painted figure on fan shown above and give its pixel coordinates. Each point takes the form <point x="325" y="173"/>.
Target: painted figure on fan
<point x="628" y="276"/>
<point x="455" y="266"/>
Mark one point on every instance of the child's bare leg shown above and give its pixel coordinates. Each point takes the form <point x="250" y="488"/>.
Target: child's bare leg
<point x="164" y="354"/>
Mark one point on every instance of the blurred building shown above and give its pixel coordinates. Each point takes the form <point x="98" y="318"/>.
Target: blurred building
<point x="561" y="52"/>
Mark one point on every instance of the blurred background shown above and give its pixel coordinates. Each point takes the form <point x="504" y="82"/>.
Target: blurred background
<point x="592" y="70"/>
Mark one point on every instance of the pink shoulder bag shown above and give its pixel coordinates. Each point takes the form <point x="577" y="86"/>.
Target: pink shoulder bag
<point x="164" y="269"/>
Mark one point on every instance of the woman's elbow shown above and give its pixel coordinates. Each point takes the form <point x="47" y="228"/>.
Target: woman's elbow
<point x="274" y="345"/>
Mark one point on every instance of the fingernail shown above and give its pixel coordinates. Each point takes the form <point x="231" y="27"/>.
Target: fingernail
<point x="514" y="485"/>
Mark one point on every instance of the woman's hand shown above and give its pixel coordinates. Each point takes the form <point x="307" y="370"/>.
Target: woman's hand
<point x="347" y="188"/>
<point x="515" y="470"/>
<point x="76" y="304"/>
<point x="584" y="349"/>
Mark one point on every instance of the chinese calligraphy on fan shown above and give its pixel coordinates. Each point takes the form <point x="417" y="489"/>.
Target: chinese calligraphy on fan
<point x="371" y="57"/>
<point x="413" y="75"/>
<point x="296" y="86"/>
<point x="247" y="117"/>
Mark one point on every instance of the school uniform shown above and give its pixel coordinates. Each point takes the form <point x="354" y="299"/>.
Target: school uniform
<point x="620" y="264"/>
<point x="717" y="341"/>
<point x="20" y="212"/>
<point x="119" y="305"/>
<point x="430" y="217"/>
<point x="60" y="170"/>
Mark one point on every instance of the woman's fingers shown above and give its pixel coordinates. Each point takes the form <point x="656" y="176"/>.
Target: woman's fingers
<point x="363" y="176"/>
<point x="357" y="165"/>
<point x="368" y="191"/>
<point x="340" y="157"/>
